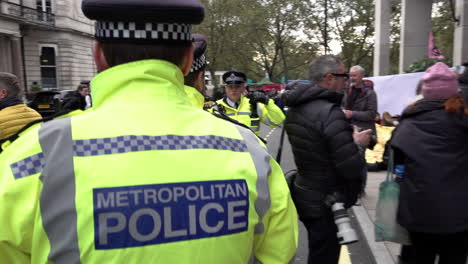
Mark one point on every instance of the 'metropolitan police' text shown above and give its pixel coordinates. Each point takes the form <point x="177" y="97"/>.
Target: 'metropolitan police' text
<point x="162" y="213"/>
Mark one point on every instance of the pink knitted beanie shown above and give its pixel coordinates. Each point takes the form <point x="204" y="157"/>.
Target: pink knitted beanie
<point x="439" y="82"/>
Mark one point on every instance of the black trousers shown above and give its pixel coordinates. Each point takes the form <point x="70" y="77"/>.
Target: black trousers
<point x="323" y="243"/>
<point x="451" y="248"/>
<point x="406" y="254"/>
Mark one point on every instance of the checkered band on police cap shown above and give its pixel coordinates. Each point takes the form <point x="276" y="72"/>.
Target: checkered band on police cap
<point x="147" y="21"/>
<point x="198" y="63"/>
<point x="107" y="30"/>
<point x="199" y="58"/>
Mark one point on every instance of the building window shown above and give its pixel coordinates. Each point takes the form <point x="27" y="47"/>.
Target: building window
<point x="44" y="5"/>
<point x="45" y="10"/>
<point x="48" y="67"/>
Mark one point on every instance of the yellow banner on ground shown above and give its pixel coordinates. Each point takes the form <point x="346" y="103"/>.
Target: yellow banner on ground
<point x="383" y="135"/>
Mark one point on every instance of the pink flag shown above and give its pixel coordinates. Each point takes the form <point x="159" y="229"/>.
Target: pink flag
<point x="432" y="50"/>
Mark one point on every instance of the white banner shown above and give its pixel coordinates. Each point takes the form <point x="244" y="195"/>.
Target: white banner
<point x="394" y="92"/>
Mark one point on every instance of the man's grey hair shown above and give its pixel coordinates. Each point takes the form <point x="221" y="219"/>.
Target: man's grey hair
<point x="10" y="82"/>
<point x="323" y="65"/>
<point x="358" y="68"/>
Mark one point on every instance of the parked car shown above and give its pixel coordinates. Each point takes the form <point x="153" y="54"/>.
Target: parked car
<point x="63" y="94"/>
<point x="46" y="103"/>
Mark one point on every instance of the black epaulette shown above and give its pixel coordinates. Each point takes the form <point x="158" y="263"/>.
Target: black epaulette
<point x="15" y="136"/>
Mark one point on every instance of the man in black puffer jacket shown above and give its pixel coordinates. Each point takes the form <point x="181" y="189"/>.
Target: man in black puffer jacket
<point x="327" y="157"/>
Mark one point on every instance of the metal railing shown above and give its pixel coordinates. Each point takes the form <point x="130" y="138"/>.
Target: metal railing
<point x="30" y="14"/>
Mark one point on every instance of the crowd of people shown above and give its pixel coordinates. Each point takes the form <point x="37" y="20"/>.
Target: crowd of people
<point x="166" y="180"/>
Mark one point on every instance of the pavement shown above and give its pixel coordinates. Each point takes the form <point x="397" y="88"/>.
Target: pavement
<point x="383" y="252"/>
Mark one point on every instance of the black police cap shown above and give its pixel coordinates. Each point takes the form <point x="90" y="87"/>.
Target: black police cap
<point x="234" y="77"/>
<point x="144" y="20"/>
<point x="199" y="58"/>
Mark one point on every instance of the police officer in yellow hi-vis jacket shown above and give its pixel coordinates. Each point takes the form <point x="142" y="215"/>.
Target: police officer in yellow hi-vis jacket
<point x="248" y="111"/>
<point x="195" y="80"/>
<point x="128" y="181"/>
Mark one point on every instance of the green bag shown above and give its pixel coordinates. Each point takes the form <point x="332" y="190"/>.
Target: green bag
<point x="386" y="227"/>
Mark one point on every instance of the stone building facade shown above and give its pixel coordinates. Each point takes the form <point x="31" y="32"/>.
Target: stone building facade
<point x="48" y="42"/>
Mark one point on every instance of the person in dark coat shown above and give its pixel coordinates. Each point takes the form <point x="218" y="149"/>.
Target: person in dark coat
<point x="327" y="158"/>
<point x="360" y="108"/>
<point x="431" y="142"/>
<point x="76" y="100"/>
<point x="360" y="102"/>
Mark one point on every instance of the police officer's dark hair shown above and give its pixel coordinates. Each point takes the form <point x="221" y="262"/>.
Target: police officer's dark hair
<point x="81" y="87"/>
<point x="191" y="78"/>
<point x="119" y="53"/>
<point x="10" y="82"/>
<point x="323" y="65"/>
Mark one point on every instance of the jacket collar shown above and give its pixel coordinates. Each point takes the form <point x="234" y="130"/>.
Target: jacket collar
<point x="303" y="93"/>
<point x="241" y="102"/>
<point x="10" y="101"/>
<point x="133" y="83"/>
<point x="422" y="106"/>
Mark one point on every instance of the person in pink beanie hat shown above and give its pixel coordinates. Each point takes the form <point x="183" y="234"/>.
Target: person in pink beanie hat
<point x="439" y="82"/>
<point x="430" y="146"/>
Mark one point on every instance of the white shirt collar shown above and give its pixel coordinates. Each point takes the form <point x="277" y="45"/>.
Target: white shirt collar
<point x="231" y="103"/>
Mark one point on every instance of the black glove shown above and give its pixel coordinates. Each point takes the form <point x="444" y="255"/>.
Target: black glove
<point x="258" y="97"/>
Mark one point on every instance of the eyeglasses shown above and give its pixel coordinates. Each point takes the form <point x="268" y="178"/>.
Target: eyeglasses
<point x="344" y="75"/>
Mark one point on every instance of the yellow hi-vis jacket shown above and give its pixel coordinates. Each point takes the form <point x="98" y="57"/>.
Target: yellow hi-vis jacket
<point x="269" y="114"/>
<point x="143" y="177"/>
<point x="196" y="98"/>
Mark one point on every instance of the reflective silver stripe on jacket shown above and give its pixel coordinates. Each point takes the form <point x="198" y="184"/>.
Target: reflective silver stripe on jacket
<point x="261" y="159"/>
<point x="239" y="113"/>
<point x="57" y="201"/>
